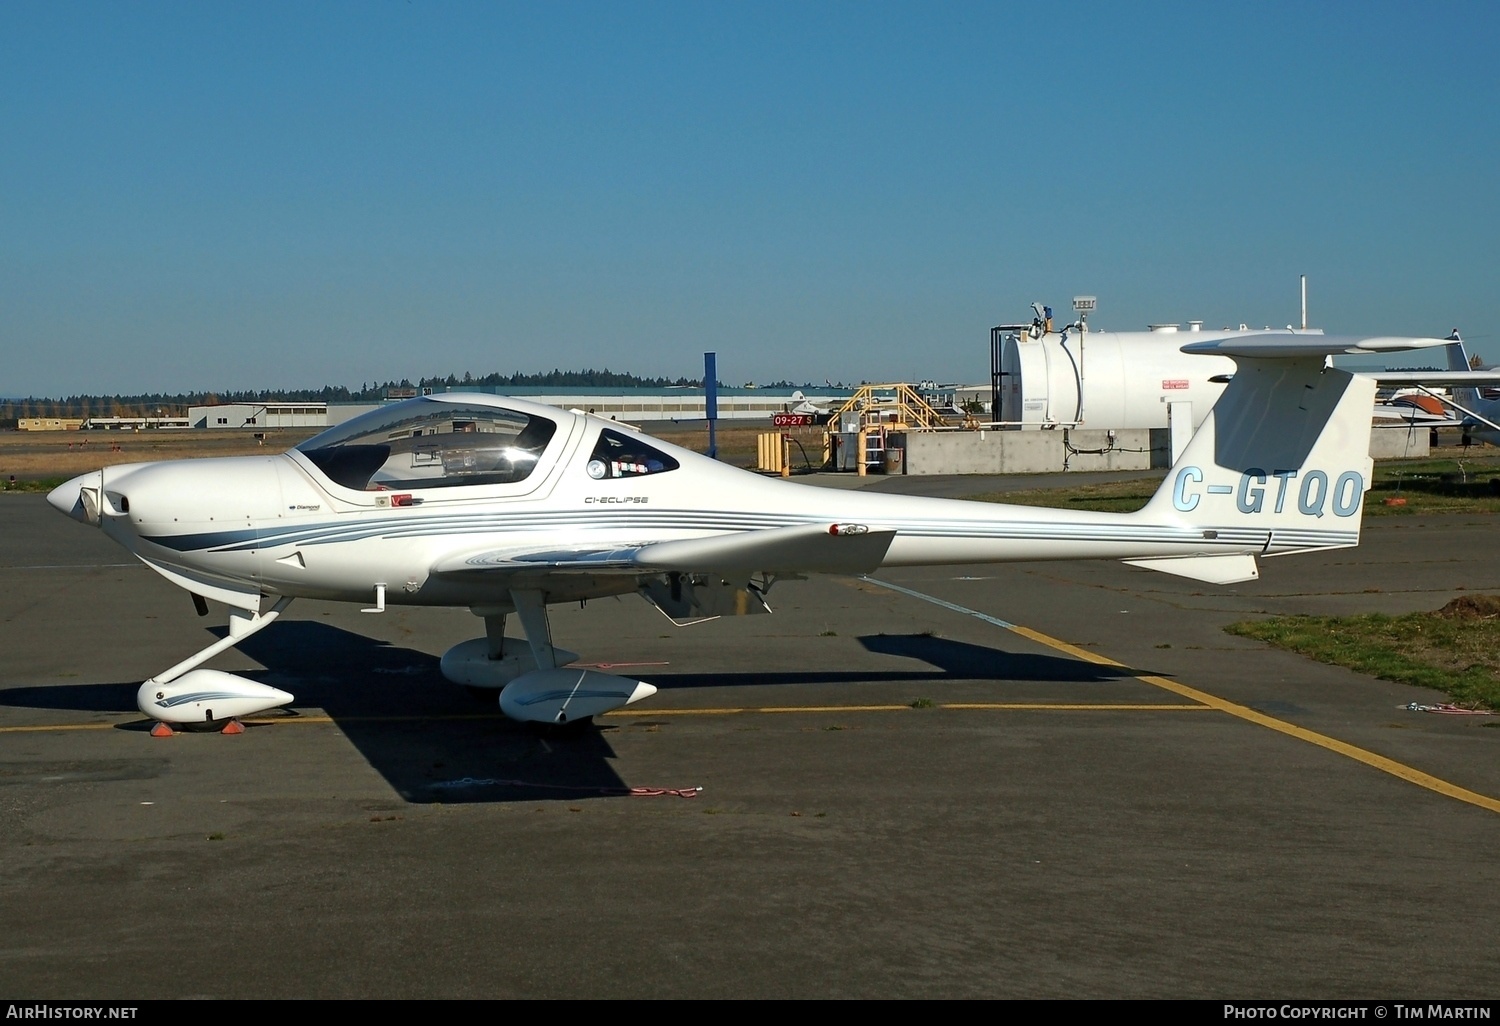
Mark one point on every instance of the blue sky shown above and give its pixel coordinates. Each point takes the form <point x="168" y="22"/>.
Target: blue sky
<point x="214" y="196"/>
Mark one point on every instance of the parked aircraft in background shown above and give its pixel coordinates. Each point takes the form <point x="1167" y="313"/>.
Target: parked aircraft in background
<point x="504" y="507"/>
<point x="802" y="404"/>
<point x="1478" y="416"/>
<point x="1416" y="407"/>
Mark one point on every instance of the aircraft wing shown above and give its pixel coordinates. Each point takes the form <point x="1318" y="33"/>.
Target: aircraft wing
<point x="1413" y="415"/>
<point x="802" y="548"/>
<point x="1437" y="379"/>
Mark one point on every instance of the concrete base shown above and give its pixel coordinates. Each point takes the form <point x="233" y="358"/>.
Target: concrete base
<point x="1026" y="452"/>
<point x="1400" y="442"/>
<point x="1044" y="452"/>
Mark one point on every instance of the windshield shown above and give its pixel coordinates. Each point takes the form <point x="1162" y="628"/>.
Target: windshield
<point x="424" y="443"/>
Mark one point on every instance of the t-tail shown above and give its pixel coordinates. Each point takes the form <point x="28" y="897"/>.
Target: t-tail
<point x="1481" y="416"/>
<point x="1458" y="360"/>
<point x="1280" y="465"/>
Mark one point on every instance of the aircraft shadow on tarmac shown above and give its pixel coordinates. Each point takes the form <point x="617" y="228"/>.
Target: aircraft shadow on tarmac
<point x="950" y="661"/>
<point x="436" y="743"/>
<point x="433" y="742"/>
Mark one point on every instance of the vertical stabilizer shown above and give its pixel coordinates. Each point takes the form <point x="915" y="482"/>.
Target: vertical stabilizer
<point x="1458" y="360"/>
<point x="1281" y="464"/>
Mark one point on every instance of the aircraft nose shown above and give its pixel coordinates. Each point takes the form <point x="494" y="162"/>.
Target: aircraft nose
<point x="79" y="498"/>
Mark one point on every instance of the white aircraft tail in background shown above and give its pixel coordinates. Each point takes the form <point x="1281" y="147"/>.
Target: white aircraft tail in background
<point x="802" y="404"/>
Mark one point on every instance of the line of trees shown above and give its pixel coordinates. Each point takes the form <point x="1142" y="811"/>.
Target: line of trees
<point x="152" y="404"/>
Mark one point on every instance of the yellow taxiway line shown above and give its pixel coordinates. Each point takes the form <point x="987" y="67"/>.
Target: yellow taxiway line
<point x="908" y="707"/>
<point x="289" y="721"/>
<point x="1204" y="702"/>
<point x="1380" y="762"/>
<point x="42" y="728"/>
<point x="259" y="721"/>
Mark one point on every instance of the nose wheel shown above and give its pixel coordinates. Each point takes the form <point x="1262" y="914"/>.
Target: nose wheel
<point x="187" y="695"/>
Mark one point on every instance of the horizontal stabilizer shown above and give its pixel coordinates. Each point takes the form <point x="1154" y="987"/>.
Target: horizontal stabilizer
<point x="1438" y="379"/>
<point x="1281" y="345"/>
<point x="1213" y="569"/>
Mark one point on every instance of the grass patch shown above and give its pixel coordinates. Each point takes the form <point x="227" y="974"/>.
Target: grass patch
<point x="35" y="455"/>
<point x="1455" y="650"/>
<point x="1111" y="497"/>
<point x="1462" y="485"/>
<point x="38" y="484"/>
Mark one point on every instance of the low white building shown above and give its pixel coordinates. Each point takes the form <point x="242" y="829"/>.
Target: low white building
<point x="630" y="405"/>
<point x="674" y="404"/>
<point x="259" y="416"/>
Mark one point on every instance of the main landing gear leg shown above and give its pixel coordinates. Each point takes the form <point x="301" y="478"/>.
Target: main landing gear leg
<point x="242" y="624"/>
<point x="531" y="607"/>
<point x="486" y="665"/>
<point x="532" y="610"/>
<point x="494" y="635"/>
<point x="535" y="682"/>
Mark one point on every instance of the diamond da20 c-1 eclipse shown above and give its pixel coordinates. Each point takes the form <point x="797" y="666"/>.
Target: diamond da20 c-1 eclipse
<point x="504" y="507"/>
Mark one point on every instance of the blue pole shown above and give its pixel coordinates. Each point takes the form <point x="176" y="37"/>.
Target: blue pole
<point x="711" y="400"/>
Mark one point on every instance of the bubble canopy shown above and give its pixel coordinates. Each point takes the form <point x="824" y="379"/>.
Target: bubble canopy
<point x="430" y="443"/>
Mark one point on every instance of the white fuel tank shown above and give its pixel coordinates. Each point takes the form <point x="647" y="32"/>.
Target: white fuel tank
<point x="1107" y="380"/>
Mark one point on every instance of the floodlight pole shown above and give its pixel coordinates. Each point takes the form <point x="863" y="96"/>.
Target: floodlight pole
<point x="711" y="400"/>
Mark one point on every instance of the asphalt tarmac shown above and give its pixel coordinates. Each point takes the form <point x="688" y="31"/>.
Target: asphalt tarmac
<point x="1033" y="780"/>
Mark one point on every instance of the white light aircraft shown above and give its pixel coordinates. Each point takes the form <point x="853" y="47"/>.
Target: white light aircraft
<point x="812" y="406"/>
<point x="503" y="507"/>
